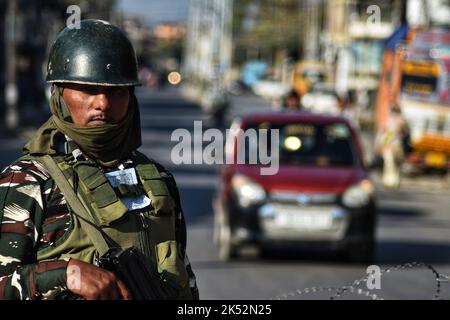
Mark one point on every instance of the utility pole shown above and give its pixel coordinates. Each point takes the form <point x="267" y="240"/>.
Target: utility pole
<point x="313" y="19"/>
<point x="226" y="45"/>
<point x="11" y="95"/>
<point x="221" y="38"/>
<point x="209" y="45"/>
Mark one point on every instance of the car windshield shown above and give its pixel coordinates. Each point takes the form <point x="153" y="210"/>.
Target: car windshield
<point x="329" y="145"/>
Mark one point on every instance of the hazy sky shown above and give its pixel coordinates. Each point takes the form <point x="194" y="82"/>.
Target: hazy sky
<point x="157" y="10"/>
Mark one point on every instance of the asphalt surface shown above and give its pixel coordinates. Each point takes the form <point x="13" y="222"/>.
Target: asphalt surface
<point x="413" y="223"/>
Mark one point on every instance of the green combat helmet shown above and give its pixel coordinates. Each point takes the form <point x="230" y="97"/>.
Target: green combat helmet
<point x="97" y="53"/>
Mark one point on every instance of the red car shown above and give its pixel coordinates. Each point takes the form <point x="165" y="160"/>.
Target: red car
<point x="321" y="194"/>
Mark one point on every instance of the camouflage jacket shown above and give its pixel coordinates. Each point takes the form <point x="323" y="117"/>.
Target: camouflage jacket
<point x="33" y="216"/>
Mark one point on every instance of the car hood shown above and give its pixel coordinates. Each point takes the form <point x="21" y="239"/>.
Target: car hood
<point x="306" y="178"/>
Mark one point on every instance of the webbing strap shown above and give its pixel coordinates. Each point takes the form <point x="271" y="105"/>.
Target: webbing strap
<point x="87" y="221"/>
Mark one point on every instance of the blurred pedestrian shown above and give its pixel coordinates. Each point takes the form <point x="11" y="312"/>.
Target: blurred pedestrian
<point x="82" y="193"/>
<point x="348" y="110"/>
<point x="390" y="144"/>
<point x="291" y="101"/>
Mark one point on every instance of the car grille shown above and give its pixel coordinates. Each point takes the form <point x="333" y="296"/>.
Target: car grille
<point x="303" y="198"/>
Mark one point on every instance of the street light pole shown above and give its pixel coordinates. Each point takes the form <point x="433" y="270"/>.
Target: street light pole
<point x="209" y="43"/>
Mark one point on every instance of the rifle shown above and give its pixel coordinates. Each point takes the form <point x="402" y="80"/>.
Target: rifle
<point x="130" y="266"/>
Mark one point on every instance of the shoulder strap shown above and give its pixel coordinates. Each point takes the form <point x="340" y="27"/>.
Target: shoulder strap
<point x="87" y="221"/>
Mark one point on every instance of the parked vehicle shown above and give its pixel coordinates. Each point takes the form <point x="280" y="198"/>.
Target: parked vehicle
<point x="322" y="98"/>
<point x="253" y="71"/>
<point x="321" y="195"/>
<point x="416" y="76"/>
<point x="270" y="89"/>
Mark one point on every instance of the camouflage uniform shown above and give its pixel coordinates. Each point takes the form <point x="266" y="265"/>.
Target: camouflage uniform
<point x="33" y="216"/>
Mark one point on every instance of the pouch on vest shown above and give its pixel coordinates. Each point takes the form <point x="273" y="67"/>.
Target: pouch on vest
<point x="156" y="189"/>
<point x="172" y="269"/>
<point x="102" y="197"/>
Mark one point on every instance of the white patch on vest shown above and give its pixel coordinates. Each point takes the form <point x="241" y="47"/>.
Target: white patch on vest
<point x="33" y="191"/>
<point x="4" y="261"/>
<point x="127" y="176"/>
<point x="137" y="202"/>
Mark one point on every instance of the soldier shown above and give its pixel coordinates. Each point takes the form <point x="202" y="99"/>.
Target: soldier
<point x="82" y="187"/>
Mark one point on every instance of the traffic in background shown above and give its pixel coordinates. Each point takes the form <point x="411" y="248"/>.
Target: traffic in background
<point x="359" y="91"/>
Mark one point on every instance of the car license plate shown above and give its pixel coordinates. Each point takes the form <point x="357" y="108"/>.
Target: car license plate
<point x="435" y="160"/>
<point x="304" y="219"/>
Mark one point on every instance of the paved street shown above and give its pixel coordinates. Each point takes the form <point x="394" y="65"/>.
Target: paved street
<point x="414" y="223"/>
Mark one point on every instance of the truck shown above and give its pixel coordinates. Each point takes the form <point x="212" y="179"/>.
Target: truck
<point x="416" y="77"/>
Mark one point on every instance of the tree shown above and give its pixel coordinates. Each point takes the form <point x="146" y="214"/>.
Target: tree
<point x="266" y="26"/>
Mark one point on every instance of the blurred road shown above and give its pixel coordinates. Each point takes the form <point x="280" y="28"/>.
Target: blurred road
<point x="414" y="222"/>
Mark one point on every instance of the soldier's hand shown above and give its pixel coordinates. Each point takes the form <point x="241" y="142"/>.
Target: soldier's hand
<point x="94" y="283"/>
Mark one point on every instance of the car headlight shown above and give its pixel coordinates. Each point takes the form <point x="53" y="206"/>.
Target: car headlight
<point x="248" y="192"/>
<point x="358" y="195"/>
